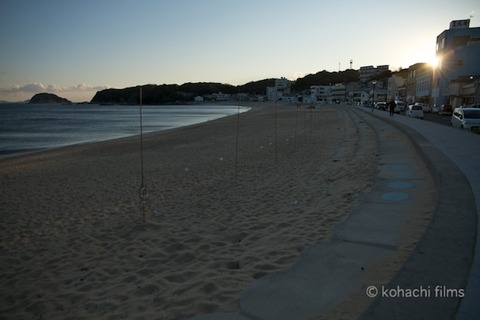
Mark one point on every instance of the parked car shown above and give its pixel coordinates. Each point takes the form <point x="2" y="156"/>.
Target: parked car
<point x="446" y="110"/>
<point x="435" y="109"/>
<point x="425" y="106"/>
<point x="474" y="106"/>
<point x="399" y="106"/>
<point x="414" y="111"/>
<point x="466" y="118"/>
<point x="381" y="106"/>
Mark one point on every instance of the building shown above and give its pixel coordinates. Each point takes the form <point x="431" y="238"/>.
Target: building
<point x="283" y="84"/>
<point x="327" y="94"/>
<point x="338" y="93"/>
<point x="242" y="96"/>
<point x="221" y="96"/>
<point x="418" y="84"/>
<point x="396" y="89"/>
<point x="320" y="94"/>
<point x="464" y="91"/>
<point x="423" y="85"/>
<point x="355" y="93"/>
<point x="368" y="73"/>
<point x="357" y="97"/>
<point x="458" y="52"/>
<point x="272" y="94"/>
<point x="281" y="89"/>
<point x="411" y="83"/>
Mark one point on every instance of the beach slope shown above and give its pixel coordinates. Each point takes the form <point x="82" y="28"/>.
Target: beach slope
<point x="229" y="201"/>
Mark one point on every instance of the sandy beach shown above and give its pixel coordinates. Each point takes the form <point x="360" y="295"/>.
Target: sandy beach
<point x="229" y="201"/>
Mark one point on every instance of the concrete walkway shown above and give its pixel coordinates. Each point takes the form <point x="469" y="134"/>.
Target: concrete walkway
<point x="453" y="156"/>
<point x="325" y="275"/>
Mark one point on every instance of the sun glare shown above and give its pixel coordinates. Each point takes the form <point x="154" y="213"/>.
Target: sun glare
<point x="421" y="53"/>
<point x="434" y="62"/>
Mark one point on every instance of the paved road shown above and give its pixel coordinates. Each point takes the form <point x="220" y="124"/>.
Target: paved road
<point x="445" y="120"/>
<point x="428" y="116"/>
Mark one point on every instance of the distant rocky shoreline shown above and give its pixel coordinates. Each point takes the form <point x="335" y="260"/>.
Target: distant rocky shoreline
<point x="48" y="98"/>
<point x="188" y="92"/>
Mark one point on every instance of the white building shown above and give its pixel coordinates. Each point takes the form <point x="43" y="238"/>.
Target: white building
<point x="338" y="93"/>
<point x="283" y="84"/>
<point x="281" y="89"/>
<point x="320" y="94"/>
<point x="273" y="94"/>
<point x="221" y="96"/>
<point x="423" y="87"/>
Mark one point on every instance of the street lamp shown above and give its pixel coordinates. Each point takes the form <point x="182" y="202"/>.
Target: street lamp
<point x="374" y="83"/>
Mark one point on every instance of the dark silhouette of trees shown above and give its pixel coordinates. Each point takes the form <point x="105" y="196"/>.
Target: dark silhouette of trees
<point x="174" y="93"/>
<point x="325" y="78"/>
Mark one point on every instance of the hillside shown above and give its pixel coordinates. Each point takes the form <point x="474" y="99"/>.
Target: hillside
<point x="325" y="78"/>
<point x="48" y="98"/>
<point x="174" y="93"/>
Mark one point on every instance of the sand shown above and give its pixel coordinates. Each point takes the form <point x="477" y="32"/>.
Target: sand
<point x="229" y="201"/>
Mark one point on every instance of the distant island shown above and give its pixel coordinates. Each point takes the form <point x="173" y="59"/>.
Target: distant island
<point x="48" y="98"/>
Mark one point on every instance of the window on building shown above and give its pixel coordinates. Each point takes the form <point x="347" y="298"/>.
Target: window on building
<point x="474" y="40"/>
<point x="459" y="41"/>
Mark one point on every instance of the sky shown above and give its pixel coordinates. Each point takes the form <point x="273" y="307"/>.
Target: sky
<point x="75" y="48"/>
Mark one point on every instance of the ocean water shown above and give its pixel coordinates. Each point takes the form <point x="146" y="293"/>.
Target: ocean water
<point x="36" y="127"/>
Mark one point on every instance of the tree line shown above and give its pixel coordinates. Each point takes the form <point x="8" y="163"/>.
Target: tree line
<point x="174" y="93"/>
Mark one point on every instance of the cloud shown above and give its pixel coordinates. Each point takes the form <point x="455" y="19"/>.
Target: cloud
<point x="53" y="88"/>
<point x="298" y="74"/>
<point x="38" y="87"/>
<point x="80" y="92"/>
<point x="31" y="88"/>
<point x="87" y="87"/>
<point x="83" y="86"/>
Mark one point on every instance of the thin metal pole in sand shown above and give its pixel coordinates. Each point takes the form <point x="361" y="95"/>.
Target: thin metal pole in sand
<point x="275" y="141"/>
<point x="304" y="126"/>
<point x="311" y="119"/>
<point x="236" y="143"/>
<point x="295" y="132"/>
<point x="142" y="193"/>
